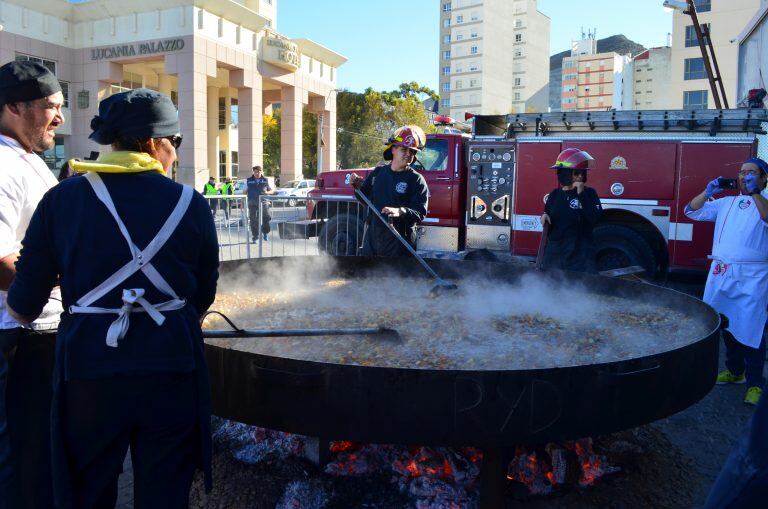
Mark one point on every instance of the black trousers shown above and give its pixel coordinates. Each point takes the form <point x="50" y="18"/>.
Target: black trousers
<point x="253" y="218"/>
<point x="740" y="358"/>
<point x="155" y="415"/>
<point x="28" y="396"/>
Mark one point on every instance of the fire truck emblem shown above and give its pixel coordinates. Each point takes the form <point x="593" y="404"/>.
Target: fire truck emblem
<point x="617" y="189"/>
<point x="719" y="268"/>
<point x="744" y="203"/>
<point x="575" y="203"/>
<point x="618" y="163"/>
<point x="401" y="187"/>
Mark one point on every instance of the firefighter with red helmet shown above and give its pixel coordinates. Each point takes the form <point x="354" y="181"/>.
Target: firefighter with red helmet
<point x="398" y="191"/>
<point x="571" y="212"/>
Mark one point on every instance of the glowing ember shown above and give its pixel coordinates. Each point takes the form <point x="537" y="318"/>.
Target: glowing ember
<point x="435" y="477"/>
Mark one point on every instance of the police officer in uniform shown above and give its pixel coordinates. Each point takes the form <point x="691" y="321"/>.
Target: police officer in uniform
<point x="137" y="271"/>
<point x="257" y="185"/>
<point x="210" y="190"/>
<point x="226" y="189"/>
<point x="398" y="191"/>
<point x="572" y="210"/>
<point x="30" y="112"/>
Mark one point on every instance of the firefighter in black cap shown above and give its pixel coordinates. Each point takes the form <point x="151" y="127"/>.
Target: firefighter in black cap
<point x="400" y="193"/>
<point x="137" y="271"/>
<point x="30" y="112"/>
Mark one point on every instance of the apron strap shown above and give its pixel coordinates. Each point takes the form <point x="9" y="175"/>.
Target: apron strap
<point x="140" y="258"/>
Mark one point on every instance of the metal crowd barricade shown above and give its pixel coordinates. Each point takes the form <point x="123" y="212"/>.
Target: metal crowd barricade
<point x="317" y="225"/>
<point x="230" y="215"/>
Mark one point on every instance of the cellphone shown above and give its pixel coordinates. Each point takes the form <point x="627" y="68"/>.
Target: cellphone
<point x="727" y="183"/>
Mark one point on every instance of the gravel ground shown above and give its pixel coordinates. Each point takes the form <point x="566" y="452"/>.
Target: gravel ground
<point x="681" y="457"/>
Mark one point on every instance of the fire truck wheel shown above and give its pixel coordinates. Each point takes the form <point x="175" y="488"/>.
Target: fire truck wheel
<point x="620" y="246"/>
<point x="341" y="235"/>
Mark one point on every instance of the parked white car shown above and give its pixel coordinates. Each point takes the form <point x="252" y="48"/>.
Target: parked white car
<point x="294" y="191"/>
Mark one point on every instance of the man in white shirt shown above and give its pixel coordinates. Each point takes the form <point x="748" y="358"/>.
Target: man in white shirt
<point x="737" y="285"/>
<point x="30" y="112"/>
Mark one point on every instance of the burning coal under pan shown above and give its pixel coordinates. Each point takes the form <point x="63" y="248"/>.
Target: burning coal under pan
<point x="462" y="404"/>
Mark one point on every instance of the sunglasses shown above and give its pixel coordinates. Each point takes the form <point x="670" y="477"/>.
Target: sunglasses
<point x="175" y="140"/>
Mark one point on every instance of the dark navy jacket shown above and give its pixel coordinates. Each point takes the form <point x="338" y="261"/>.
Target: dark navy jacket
<point x="72" y="235"/>
<point x="255" y="188"/>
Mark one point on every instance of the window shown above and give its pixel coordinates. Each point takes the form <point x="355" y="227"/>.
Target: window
<point x="445" y="87"/>
<point x="459" y="37"/>
<point x="703" y="5"/>
<point x="518" y="37"/>
<point x="459" y="69"/>
<point x="65" y="92"/>
<point x="473" y="67"/>
<point x="518" y="53"/>
<point x="130" y="81"/>
<point x="233" y="114"/>
<point x="459" y="84"/>
<point x="55" y="157"/>
<point x="473" y="83"/>
<point x="518" y="23"/>
<point x="474" y="16"/>
<point x="694" y="69"/>
<point x="447" y="39"/>
<point x="602" y="63"/>
<point x="473" y="34"/>
<point x="446" y="55"/>
<point x="695" y="100"/>
<point x="445" y="103"/>
<point x="434" y="156"/>
<point x="517" y="96"/>
<point x="50" y="64"/>
<point x="473" y="50"/>
<point x="446" y="71"/>
<point x="518" y="82"/>
<point x="446" y="7"/>
<point x="459" y="19"/>
<point x="222" y="112"/>
<point x="571" y="76"/>
<point x="222" y="164"/>
<point x="446" y="23"/>
<point x="235" y="162"/>
<point x="690" y="36"/>
<point x="569" y="64"/>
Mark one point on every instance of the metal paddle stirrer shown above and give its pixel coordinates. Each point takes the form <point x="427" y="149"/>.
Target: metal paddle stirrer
<point x="237" y="332"/>
<point x="442" y="285"/>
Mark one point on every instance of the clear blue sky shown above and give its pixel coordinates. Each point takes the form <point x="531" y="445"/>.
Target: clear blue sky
<point x="391" y="42"/>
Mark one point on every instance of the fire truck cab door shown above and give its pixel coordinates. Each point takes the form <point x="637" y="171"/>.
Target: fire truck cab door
<point x="436" y="163"/>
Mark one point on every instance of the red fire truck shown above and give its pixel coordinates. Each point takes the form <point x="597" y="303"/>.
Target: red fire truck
<point x="487" y="190"/>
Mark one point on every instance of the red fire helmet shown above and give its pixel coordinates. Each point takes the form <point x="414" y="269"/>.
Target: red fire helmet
<point x="574" y="159"/>
<point x="408" y="136"/>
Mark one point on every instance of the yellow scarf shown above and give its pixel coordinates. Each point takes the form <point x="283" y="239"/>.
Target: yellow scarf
<point x="119" y="162"/>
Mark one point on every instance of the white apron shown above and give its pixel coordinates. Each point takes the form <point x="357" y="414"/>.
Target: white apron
<point x="133" y="298"/>
<point x="739" y="290"/>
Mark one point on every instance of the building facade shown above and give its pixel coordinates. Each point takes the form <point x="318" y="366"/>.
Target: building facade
<point x="726" y="19"/>
<point x="593" y="81"/>
<point x="494" y="57"/>
<point x="647" y="79"/>
<point x="221" y="61"/>
<point x="753" y="50"/>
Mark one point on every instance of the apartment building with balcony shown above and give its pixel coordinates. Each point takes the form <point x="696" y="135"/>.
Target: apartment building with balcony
<point x="494" y="57"/>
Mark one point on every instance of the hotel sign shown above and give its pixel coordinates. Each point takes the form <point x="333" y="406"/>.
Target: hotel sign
<point x="282" y="53"/>
<point x="138" y="49"/>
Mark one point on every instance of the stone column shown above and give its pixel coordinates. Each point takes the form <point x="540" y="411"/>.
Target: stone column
<point x="193" y="117"/>
<point x="291" y="118"/>
<point x="212" y="121"/>
<point x="250" y="127"/>
<point x="165" y="84"/>
<point x="329" y="136"/>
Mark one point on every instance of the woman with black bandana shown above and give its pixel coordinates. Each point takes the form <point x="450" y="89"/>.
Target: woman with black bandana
<point x="137" y="270"/>
<point x="571" y="212"/>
